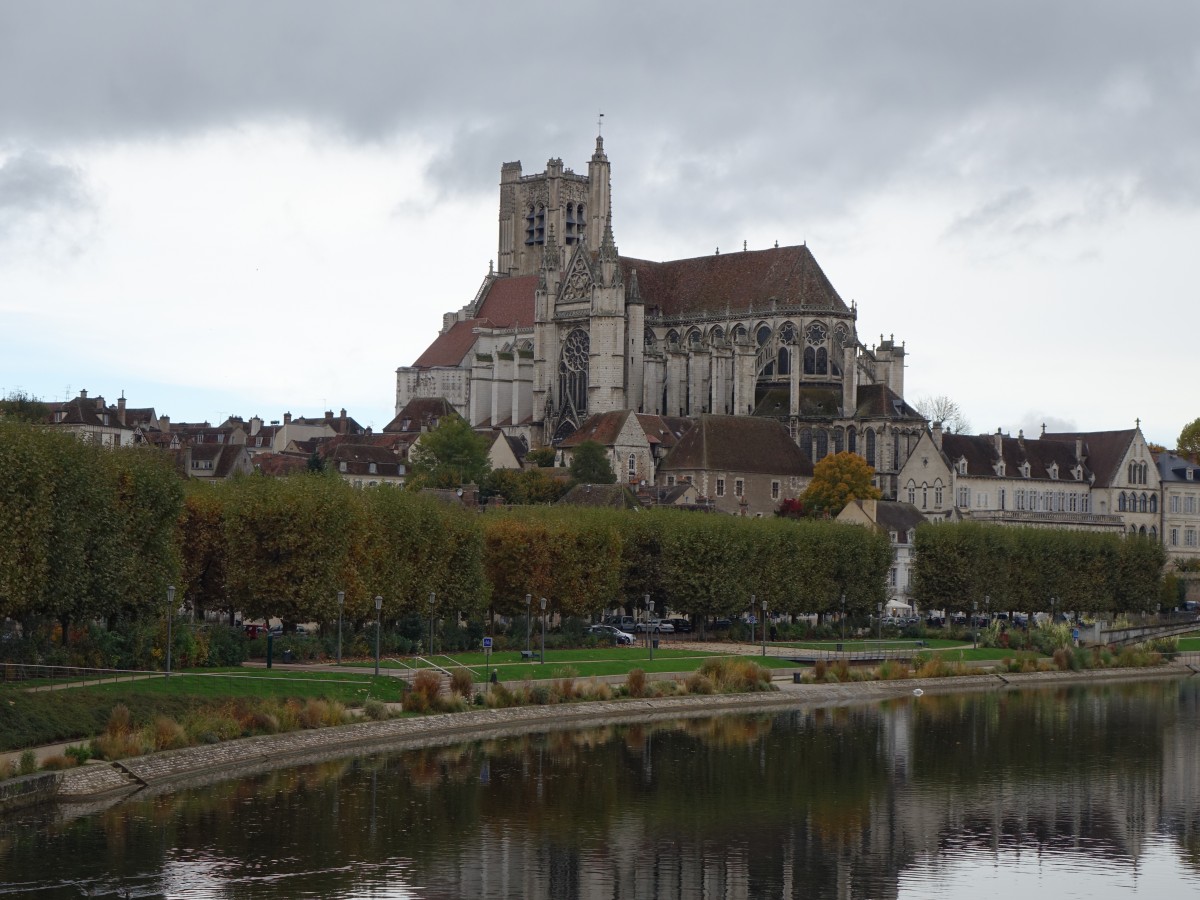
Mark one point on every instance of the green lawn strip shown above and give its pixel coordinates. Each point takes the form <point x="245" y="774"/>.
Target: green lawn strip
<point x="350" y="689"/>
<point x="982" y="653"/>
<point x="1189" y="644"/>
<point x="858" y="646"/>
<point x="556" y="667"/>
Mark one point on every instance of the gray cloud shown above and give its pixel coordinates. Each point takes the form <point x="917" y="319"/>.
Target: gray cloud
<point x="38" y="194"/>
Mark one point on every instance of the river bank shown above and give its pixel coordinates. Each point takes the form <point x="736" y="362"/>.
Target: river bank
<point x="97" y="785"/>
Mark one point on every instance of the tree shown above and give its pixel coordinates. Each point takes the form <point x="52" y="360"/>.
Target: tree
<point x="589" y="464"/>
<point x="942" y="409"/>
<point x="449" y="456"/>
<point x="315" y="463"/>
<point x="1189" y="440"/>
<point x="542" y="457"/>
<point x="838" y="479"/>
<point x="21" y="407"/>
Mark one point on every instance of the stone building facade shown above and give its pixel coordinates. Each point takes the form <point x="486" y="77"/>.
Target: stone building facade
<point x="564" y="327"/>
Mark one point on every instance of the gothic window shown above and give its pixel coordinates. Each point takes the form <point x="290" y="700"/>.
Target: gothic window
<point x="1121" y="502"/>
<point x="650" y="337"/>
<point x="840" y="335"/>
<point x="672" y="337"/>
<point x="810" y="361"/>
<point x="573" y="376"/>
<point x="739" y="332"/>
<point x="815" y="334"/>
<point x="822" y="444"/>
<point x="924" y="496"/>
<point x="1154" y="503"/>
<point x="870" y="440"/>
<point x="852" y="439"/>
<point x="632" y="465"/>
<point x="785" y="360"/>
<point x="763" y="334"/>
<point x="912" y="492"/>
<point x="1153" y="532"/>
<point x="1143" y="503"/>
<point x="822" y="361"/>
<point x="806" y="441"/>
<point x="717" y="333"/>
<point x="839" y="439"/>
<point x="575" y="223"/>
<point x="694" y="338"/>
<point x="787" y="333"/>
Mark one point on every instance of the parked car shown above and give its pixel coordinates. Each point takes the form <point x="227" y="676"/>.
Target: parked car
<point x="682" y="626"/>
<point x="624" y="623"/>
<point x="611" y="633"/>
<point x="721" y="624"/>
<point x="656" y="626"/>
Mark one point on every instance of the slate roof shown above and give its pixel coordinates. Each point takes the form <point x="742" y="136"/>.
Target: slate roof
<point x="895" y="515"/>
<point x="277" y="464"/>
<point x="738" y="444"/>
<point x="452" y="346"/>
<point x="734" y="281"/>
<point x="418" y="412"/>
<point x="880" y="401"/>
<point x="1104" y="450"/>
<point x="1173" y="468"/>
<point x="602" y="428"/>
<point x="979" y="450"/>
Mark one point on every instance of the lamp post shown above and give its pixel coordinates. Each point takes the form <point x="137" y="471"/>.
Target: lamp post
<point x="341" y="607"/>
<point x="764" y="640"/>
<point x="879" y="620"/>
<point x="378" y="623"/>
<point x="649" y="630"/>
<point x="542" y="603"/>
<point x="528" y="619"/>
<point x="974" y="624"/>
<point x="432" y="601"/>
<point x="843" y="620"/>
<point x="170" y="616"/>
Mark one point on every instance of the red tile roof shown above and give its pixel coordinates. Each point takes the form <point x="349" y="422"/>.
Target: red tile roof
<point x="451" y="347"/>
<point x="738" y="444"/>
<point x="509" y="302"/>
<point x="602" y="428"/>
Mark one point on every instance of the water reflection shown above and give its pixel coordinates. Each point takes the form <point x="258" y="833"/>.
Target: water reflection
<point x="1053" y="793"/>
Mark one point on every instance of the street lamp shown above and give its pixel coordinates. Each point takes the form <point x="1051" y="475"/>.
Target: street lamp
<point x="649" y="630"/>
<point x="528" y="619"/>
<point x="341" y="607"/>
<point x="975" y="624"/>
<point x="378" y="618"/>
<point x="764" y="641"/>
<point x="170" y="616"/>
<point x="879" y="620"/>
<point x="542" y="603"/>
<point x="843" y="620"/>
<point x="432" y="601"/>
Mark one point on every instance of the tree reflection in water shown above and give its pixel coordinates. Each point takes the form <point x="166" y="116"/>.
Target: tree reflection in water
<point x="825" y="803"/>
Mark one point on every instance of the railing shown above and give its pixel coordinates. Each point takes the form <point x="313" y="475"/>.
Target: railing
<point x="25" y="673"/>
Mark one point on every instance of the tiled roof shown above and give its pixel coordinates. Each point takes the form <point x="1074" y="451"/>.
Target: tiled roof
<point x="452" y="346"/>
<point x="1104" y="450"/>
<point x="509" y="302"/>
<point x="738" y="444"/>
<point x="664" y="430"/>
<point x="602" y="428"/>
<point x="895" y="515"/>
<point x="279" y="463"/>
<point x="735" y="281"/>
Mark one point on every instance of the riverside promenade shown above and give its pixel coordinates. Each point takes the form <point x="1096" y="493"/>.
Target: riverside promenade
<point x="97" y="785"/>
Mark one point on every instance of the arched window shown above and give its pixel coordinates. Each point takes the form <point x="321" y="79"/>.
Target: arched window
<point x="1154" y="503"/>
<point x="1142" y="529"/>
<point x="912" y="492"/>
<point x="785" y="359"/>
<point x="870" y="439"/>
<point x="672" y="337"/>
<point x="839" y="439"/>
<point x="1121" y="502"/>
<point x="763" y="334"/>
<point x="694" y="337"/>
<point x="573" y="366"/>
<point x="937" y="494"/>
<point x="822" y="361"/>
<point x="1153" y="532"/>
<point x="810" y="361"/>
<point x="852" y="439"/>
<point x="632" y="465"/>
<point x="822" y="444"/>
<point x="805" y="441"/>
<point x="739" y="332"/>
<point x="717" y="333"/>
<point x="650" y="339"/>
<point x="924" y="496"/>
<point x="1143" y="503"/>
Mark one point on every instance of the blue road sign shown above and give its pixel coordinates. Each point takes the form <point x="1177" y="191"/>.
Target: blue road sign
<point x="487" y="643"/>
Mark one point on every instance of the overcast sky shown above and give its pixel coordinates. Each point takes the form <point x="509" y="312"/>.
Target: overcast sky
<point x="229" y="208"/>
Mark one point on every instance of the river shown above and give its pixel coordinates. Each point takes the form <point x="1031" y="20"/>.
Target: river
<point x="1052" y="793"/>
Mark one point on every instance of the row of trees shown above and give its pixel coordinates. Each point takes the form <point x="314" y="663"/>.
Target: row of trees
<point x="1034" y="569"/>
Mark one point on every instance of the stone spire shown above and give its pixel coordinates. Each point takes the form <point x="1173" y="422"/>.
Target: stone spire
<point x="610" y="264"/>
<point x="551" y="259"/>
<point x="599" y="155"/>
<point x="633" y="294"/>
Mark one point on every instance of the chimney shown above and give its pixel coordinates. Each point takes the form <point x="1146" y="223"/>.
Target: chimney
<point x="121" y="408"/>
<point x="1079" y="450"/>
<point x="256" y="425"/>
<point x="998" y="440"/>
<point x="82" y="394"/>
<point x="937" y="435"/>
<point x="287" y="418"/>
<point x="164" y="423"/>
<point x="342" y="426"/>
<point x="329" y="416"/>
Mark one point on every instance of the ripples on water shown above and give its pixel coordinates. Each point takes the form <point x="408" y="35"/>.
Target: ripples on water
<point x="1030" y="795"/>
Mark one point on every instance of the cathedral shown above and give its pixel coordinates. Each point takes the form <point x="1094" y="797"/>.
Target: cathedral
<point x="564" y="327"/>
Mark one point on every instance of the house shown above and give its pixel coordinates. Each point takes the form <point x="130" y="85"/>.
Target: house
<point x="1180" y="528"/>
<point x="214" y="461"/>
<point x="743" y="465"/>
<point x="89" y="419"/>
<point x="899" y="521"/>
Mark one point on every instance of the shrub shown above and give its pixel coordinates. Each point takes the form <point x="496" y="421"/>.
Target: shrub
<point x="892" y="670"/>
<point x="499" y="697"/>
<point x="57" y="763"/>
<point x="736" y="675"/>
<point x="819" y="668"/>
<point x="1063" y="658"/>
<point x="375" y="710"/>
<point x="167" y="734"/>
<point x="596" y="690"/>
<point x="27" y="764"/>
<point x="540" y="695"/>
<point x="118" y="720"/>
<point x="635" y="682"/>
<point x="698" y="683"/>
<point x="7" y="769"/>
<point x="462" y="683"/>
<point x="427" y="683"/>
<point x="81" y="753"/>
<point x="452" y="703"/>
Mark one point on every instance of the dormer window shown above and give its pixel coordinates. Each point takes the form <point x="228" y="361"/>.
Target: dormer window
<point x="962" y="466"/>
<point x="1054" y="470"/>
<point x="342" y="466"/>
<point x="1025" y="470"/>
<point x="371" y="469"/>
<point x="1000" y="468"/>
<point x="1078" y="473"/>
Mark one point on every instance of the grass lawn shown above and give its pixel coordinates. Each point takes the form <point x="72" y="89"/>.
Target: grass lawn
<point x="351" y="688"/>
<point x="860" y="645"/>
<point x="1189" y="644"/>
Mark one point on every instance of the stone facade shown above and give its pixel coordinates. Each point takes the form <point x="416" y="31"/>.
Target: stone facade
<point x="564" y="328"/>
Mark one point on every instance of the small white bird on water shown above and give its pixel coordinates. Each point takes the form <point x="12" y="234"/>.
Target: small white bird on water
<point x="917" y="692"/>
